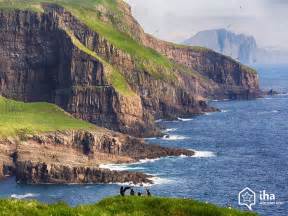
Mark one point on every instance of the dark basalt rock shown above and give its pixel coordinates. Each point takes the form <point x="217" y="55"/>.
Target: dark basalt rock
<point x="38" y="62"/>
<point x="41" y="173"/>
<point x="75" y="157"/>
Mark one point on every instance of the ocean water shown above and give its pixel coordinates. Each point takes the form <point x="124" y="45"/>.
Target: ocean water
<point x="245" y="145"/>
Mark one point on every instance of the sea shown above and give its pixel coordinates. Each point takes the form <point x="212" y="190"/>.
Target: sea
<point x="244" y="145"/>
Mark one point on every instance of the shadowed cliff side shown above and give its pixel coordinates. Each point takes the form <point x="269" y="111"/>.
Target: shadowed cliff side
<point x="95" y="62"/>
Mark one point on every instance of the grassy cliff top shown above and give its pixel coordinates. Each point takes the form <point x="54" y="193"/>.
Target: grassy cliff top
<point x="123" y="206"/>
<point x="92" y="13"/>
<point x="17" y="118"/>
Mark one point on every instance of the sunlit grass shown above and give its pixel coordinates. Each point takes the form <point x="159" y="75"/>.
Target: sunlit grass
<point x="86" y="11"/>
<point x="28" y="118"/>
<point x="124" y="206"/>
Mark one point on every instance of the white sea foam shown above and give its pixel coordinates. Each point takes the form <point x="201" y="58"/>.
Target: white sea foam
<point x="224" y="111"/>
<point x="174" y="137"/>
<point x="203" y="154"/>
<point x="283" y="94"/>
<point x="170" y="129"/>
<point x="185" y="119"/>
<point x="23" y="196"/>
<point x="158" y="120"/>
<point x="142" y="161"/>
<point x="131" y="184"/>
<point x="119" y="167"/>
<point x="160" y="181"/>
<point x="128" y="166"/>
<point x="208" y="113"/>
<point x="267" y="112"/>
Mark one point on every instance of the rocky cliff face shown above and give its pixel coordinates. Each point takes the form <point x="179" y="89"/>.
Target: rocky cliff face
<point x="41" y="173"/>
<point x="40" y="61"/>
<point x="225" y="78"/>
<point x="76" y="156"/>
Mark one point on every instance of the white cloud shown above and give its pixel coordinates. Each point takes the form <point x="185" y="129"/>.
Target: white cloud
<point x="175" y="20"/>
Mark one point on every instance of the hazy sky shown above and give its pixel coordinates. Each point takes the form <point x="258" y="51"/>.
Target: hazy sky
<point x="176" y="20"/>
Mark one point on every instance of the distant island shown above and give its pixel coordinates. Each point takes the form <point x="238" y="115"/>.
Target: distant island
<point x="241" y="47"/>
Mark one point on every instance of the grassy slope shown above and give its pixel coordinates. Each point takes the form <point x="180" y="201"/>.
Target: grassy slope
<point x="114" y="76"/>
<point x="86" y="11"/>
<point x="137" y="206"/>
<point x="18" y="118"/>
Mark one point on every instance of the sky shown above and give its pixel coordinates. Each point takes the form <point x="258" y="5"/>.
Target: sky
<point x="177" y="20"/>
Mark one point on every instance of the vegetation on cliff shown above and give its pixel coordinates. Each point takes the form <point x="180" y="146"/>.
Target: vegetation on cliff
<point x="120" y="206"/>
<point x="103" y="17"/>
<point x="115" y="78"/>
<point x="17" y="118"/>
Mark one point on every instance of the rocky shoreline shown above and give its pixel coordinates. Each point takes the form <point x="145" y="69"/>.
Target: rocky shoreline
<point x="75" y="157"/>
<point x="56" y="56"/>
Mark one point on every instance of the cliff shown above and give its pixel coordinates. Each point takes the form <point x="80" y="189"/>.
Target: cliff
<point x="94" y="60"/>
<point x="75" y="156"/>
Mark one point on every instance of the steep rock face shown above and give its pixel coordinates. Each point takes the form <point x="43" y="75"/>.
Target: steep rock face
<point x="40" y="62"/>
<point x="41" y="173"/>
<point x="7" y="158"/>
<point x="76" y="156"/>
<point x="230" y="79"/>
<point x="227" y="78"/>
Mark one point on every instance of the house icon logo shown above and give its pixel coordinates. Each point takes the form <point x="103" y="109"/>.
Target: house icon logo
<point x="247" y="197"/>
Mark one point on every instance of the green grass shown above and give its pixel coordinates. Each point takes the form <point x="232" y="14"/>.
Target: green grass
<point x="114" y="77"/>
<point x="86" y="11"/>
<point x="122" y="206"/>
<point x="17" y="118"/>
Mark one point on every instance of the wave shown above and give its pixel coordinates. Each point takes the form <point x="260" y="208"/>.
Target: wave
<point x="170" y="130"/>
<point x="267" y="112"/>
<point x="203" y="154"/>
<point x="174" y="137"/>
<point x="119" y="167"/>
<point x="160" y="181"/>
<point x="282" y="94"/>
<point x="224" y="111"/>
<point x="185" y="119"/>
<point x="208" y="113"/>
<point x="128" y="166"/>
<point x="23" y="196"/>
<point x="158" y="120"/>
<point x="219" y="100"/>
<point x="268" y="98"/>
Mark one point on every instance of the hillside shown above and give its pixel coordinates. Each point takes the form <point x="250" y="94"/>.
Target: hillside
<point x="94" y="60"/>
<point x="40" y="143"/>
<point x="18" y="118"/>
<point x="120" y="206"/>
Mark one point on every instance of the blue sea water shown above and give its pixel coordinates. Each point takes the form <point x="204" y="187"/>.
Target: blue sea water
<point x="245" y="145"/>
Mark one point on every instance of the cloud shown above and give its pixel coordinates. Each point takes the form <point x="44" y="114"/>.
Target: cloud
<point x="172" y="20"/>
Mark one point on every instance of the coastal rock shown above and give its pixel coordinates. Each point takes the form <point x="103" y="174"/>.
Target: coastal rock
<point x="42" y="173"/>
<point x="39" y="61"/>
<point x="75" y="157"/>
